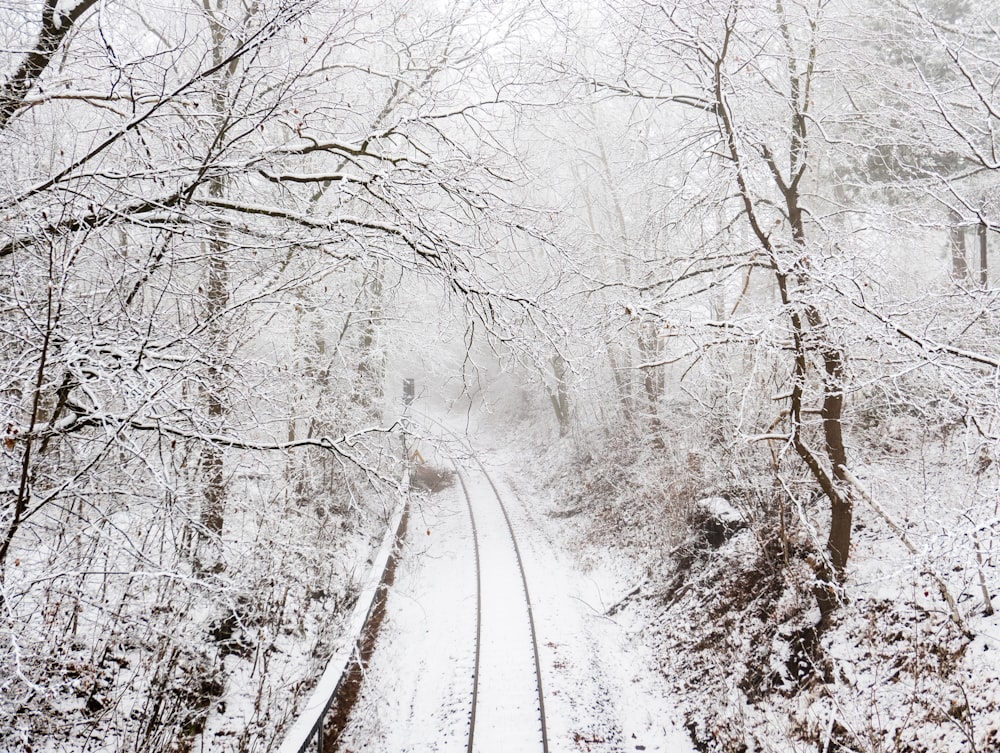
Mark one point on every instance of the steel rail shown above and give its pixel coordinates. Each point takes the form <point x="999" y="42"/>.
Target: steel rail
<point x="479" y="607"/>
<point x="479" y="598"/>
<point x="527" y="599"/>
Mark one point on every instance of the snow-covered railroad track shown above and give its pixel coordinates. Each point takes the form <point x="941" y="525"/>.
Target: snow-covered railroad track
<point x="457" y="665"/>
<point x="508" y="708"/>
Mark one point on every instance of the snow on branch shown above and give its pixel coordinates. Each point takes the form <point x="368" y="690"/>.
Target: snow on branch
<point x="688" y="100"/>
<point x="11" y="96"/>
<point x="311" y="177"/>
<point x="929" y="346"/>
<point x="345" y="150"/>
<point x="54" y="28"/>
<point x="95" y="219"/>
<point x="956" y="615"/>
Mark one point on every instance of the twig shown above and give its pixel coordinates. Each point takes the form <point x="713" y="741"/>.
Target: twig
<point x="982" y="576"/>
<point x="956" y="615"/>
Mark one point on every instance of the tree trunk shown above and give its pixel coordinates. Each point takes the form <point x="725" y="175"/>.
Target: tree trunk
<point x="369" y="386"/>
<point x="212" y="518"/>
<point x="959" y="262"/>
<point x="623" y="384"/>
<point x="651" y="351"/>
<point x="984" y="274"/>
<point x="209" y="557"/>
<point x="560" y="397"/>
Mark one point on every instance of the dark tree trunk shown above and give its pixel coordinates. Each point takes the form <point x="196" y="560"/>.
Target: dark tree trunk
<point x="55" y="25"/>
<point x="560" y="397"/>
<point x="984" y="273"/>
<point x="959" y="262"/>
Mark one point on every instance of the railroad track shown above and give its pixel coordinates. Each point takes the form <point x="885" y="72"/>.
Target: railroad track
<point x="508" y="704"/>
<point x="507" y="707"/>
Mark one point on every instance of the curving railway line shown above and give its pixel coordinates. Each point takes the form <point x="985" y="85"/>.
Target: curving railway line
<point x="457" y="664"/>
<point x="477" y="563"/>
<point x="508" y="705"/>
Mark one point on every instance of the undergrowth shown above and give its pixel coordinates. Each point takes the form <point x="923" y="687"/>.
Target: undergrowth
<point x="734" y="622"/>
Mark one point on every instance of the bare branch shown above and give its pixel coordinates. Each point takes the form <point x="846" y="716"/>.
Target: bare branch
<point x="55" y="27"/>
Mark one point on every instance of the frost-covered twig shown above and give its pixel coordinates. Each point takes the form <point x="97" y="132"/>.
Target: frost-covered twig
<point x="956" y="615"/>
<point x="982" y="576"/>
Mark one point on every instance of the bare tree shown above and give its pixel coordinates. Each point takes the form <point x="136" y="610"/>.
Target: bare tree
<point x="224" y="177"/>
<point x="706" y="63"/>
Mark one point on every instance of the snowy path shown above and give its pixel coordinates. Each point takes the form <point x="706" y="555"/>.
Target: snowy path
<point x="600" y="694"/>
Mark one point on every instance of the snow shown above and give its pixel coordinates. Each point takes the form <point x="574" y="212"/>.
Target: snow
<point x="414" y="696"/>
<point x="602" y="691"/>
<point x="720" y="509"/>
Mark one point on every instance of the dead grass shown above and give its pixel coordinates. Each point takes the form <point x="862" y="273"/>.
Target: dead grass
<point x="430" y="478"/>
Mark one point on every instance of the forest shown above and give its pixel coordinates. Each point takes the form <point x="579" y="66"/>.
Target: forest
<point x="691" y="249"/>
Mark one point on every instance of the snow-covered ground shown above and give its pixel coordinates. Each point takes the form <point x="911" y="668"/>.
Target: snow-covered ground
<point x="732" y="620"/>
<point x="601" y="689"/>
<point x="656" y="635"/>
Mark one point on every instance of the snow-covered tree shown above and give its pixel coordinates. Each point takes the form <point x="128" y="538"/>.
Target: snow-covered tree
<point x="208" y="212"/>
